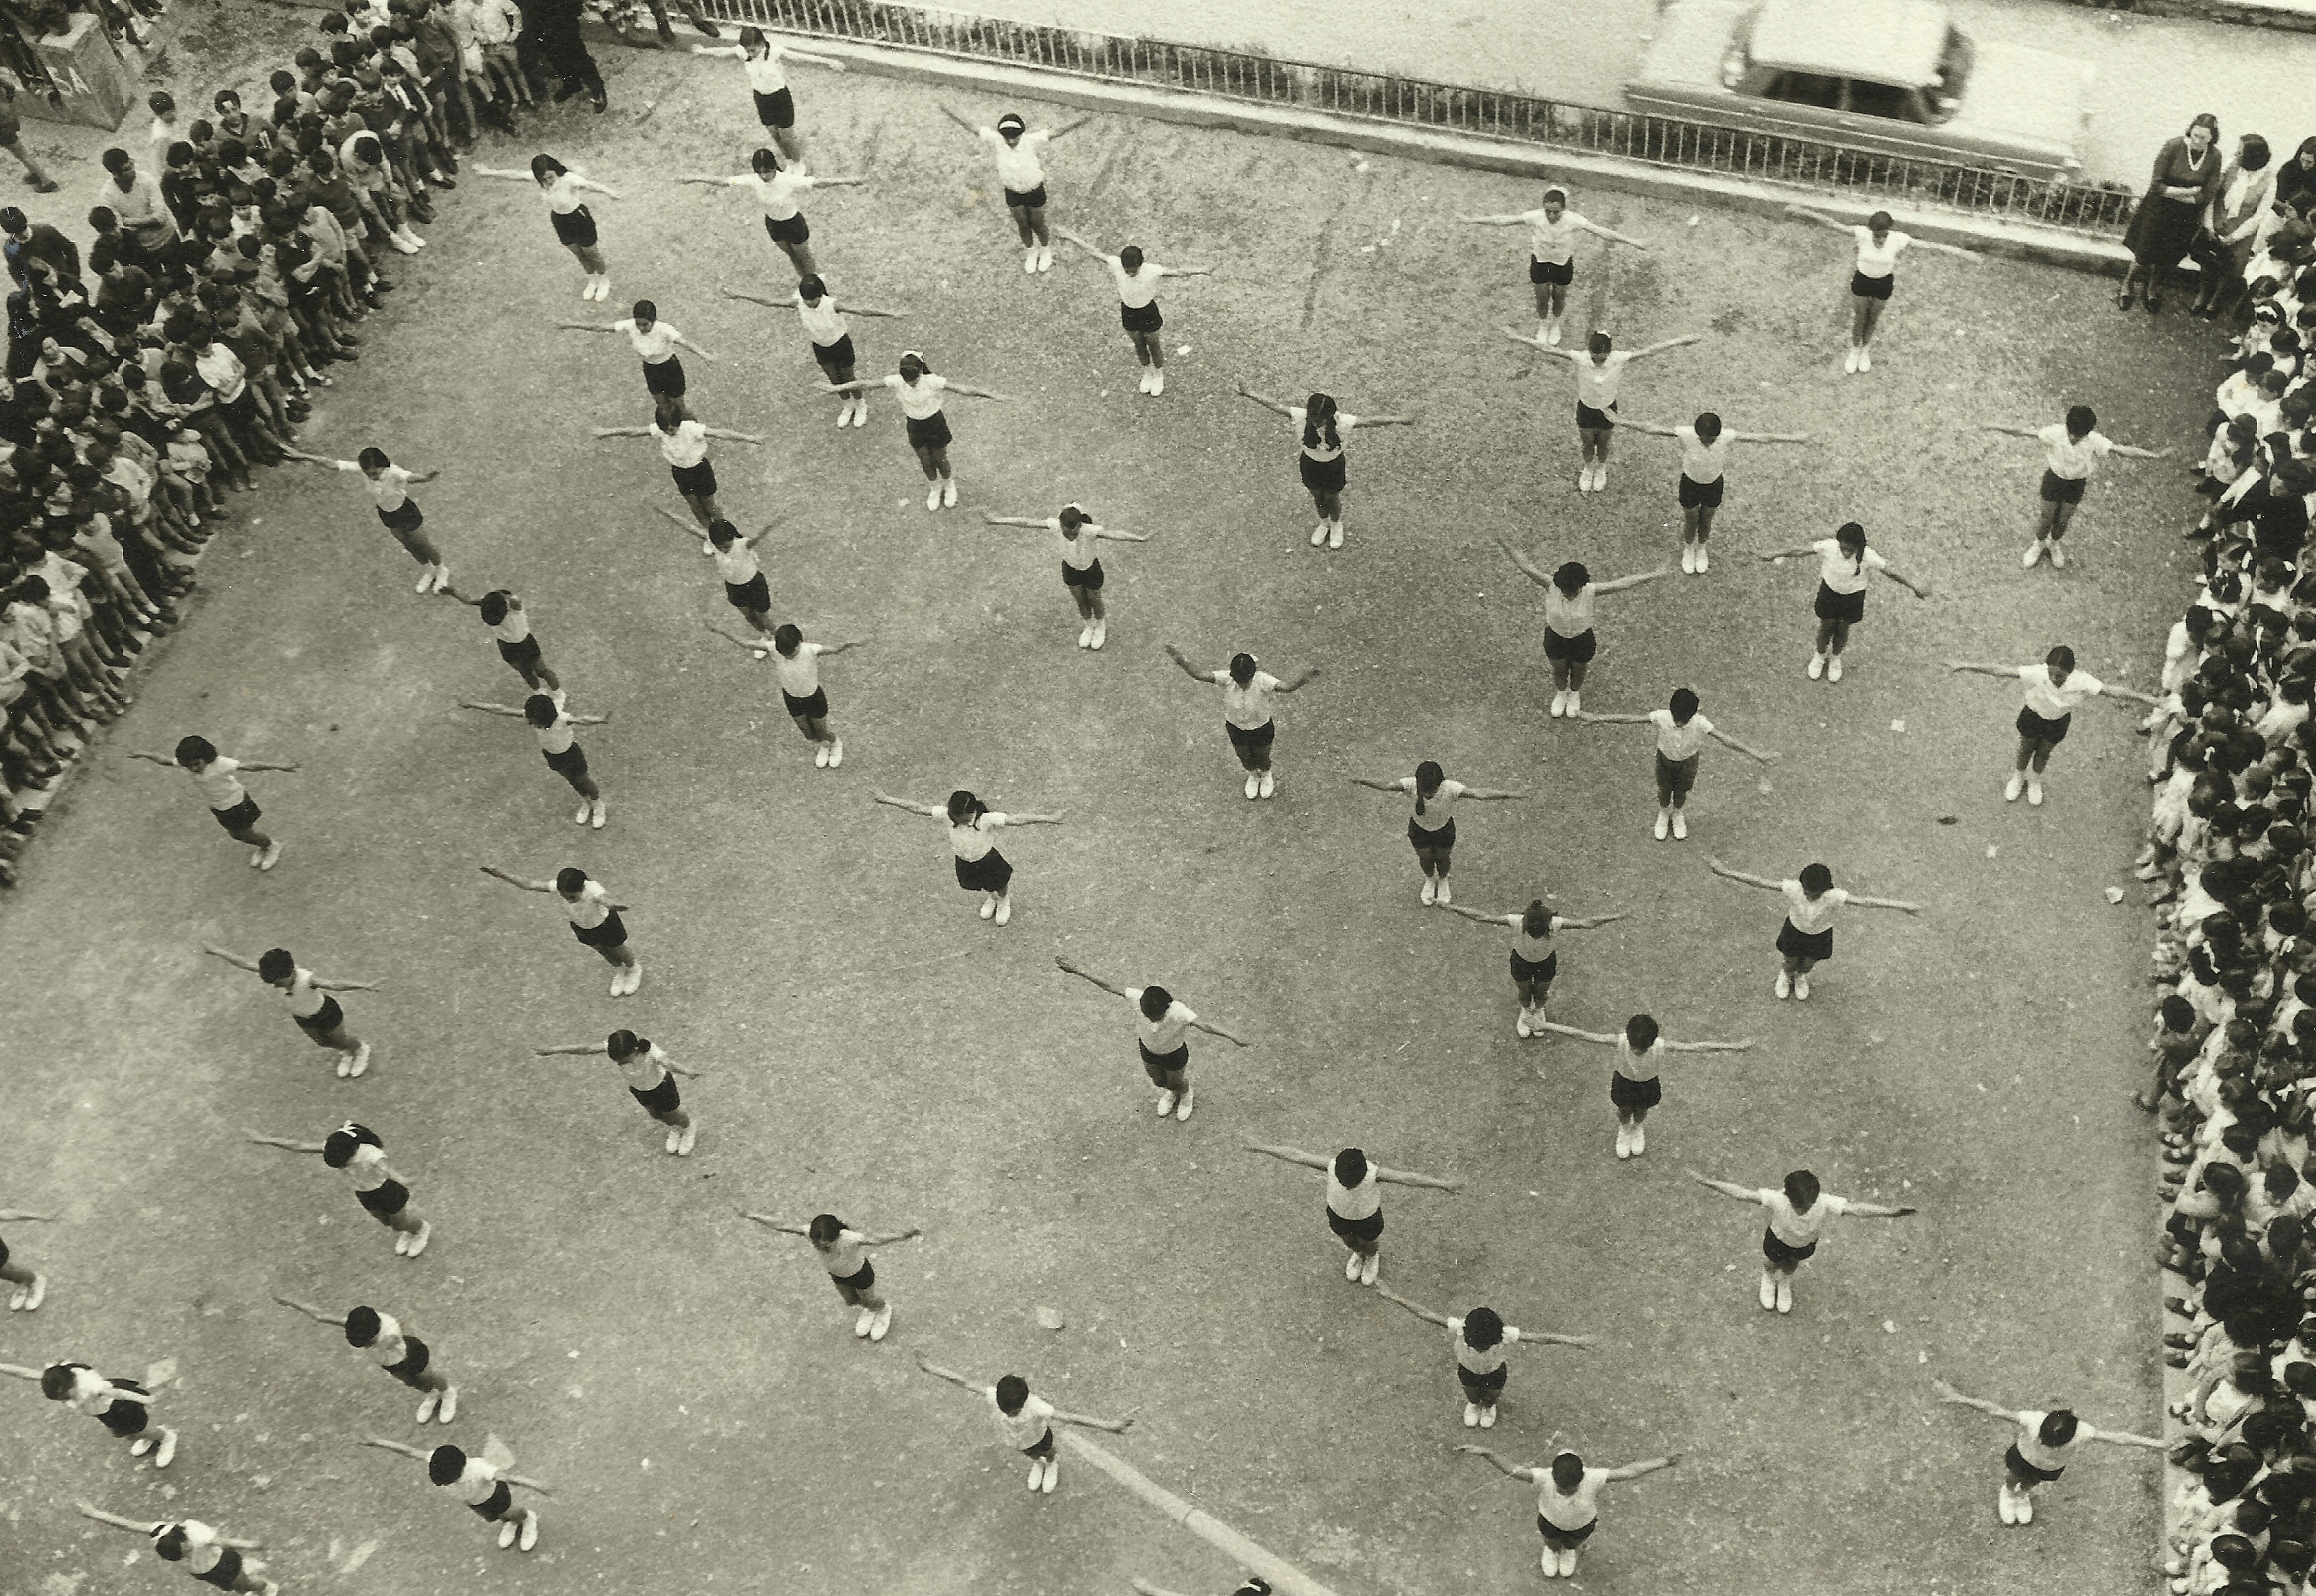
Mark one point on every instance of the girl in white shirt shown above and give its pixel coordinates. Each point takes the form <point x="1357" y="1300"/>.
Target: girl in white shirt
<point x="2071" y="450"/>
<point x="844" y="1254"/>
<point x="768" y="86"/>
<point x="1081" y="572"/>
<point x="1478" y="1341"/>
<point x="828" y="335"/>
<point x="1798" y="1212"/>
<point x="1137" y="280"/>
<point x="745" y="587"/>
<point x="1432" y="828"/>
<point x="1844" y="564"/>
<point x="1020" y="178"/>
<point x="654" y="342"/>
<point x="1567" y="1500"/>
<point x="1805" y="940"/>
<point x="971" y="826"/>
<point x="776" y="191"/>
<point x="596" y="921"/>
<point x="2046" y="1443"/>
<point x="1635" y="1085"/>
<point x="650" y="1075"/>
<point x="230" y="804"/>
<point x="575" y="224"/>
<point x="1553" y="231"/>
<point x="1569" y="641"/>
<point x="1247" y="692"/>
<point x="312" y="1007"/>
<point x="1599" y="380"/>
<point x="356" y="1150"/>
<point x="503" y="613"/>
<point x="1873" y="275"/>
<point x="123" y="1407"/>
<point x="1535" y="963"/>
<point x="544" y="713"/>
<point x="1704" y="459"/>
<point x="1322" y="429"/>
<point x="1162" y="1028"/>
<point x="2051" y="691"/>
<point x="682" y="439"/>
<point x="1355" y="1199"/>
<point x="397" y="511"/>
<point x="920" y="389"/>
<point x="1681" y="734"/>
<point x="797" y="664"/>
<point x="1026" y="1423"/>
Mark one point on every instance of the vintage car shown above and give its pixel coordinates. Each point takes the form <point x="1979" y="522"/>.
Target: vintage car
<point x="1892" y="77"/>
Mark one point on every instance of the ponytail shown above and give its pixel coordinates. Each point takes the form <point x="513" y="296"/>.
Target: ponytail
<point x="1319" y="424"/>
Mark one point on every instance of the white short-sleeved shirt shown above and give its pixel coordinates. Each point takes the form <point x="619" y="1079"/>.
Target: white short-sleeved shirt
<point x="1554" y="243"/>
<point x="1301" y="417"/>
<point x="2055" y="701"/>
<point x="1017" y="167"/>
<point x="1472" y="1358"/>
<point x="1437" y="807"/>
<point x="1566" y="616"/>
<point x="1247" y="708"/>
<point x="737" y="564"/>
<point x="1597" y="381"/>
<point x="644" y="1069"/>
<point x="1026" y="1428"/>
<point x="653" y="346"/>
<point x="764" y="74"/>
<point x="1136" y="288"/>
<point x="555" y="738"/>
<point x="1676" y="741"/>
<point x="1835" y="570"/>
<point x="220" y="788"/>
<point x="592" y="908"/>
<point x="391" y="488"/>
<point x="1575" y="1510"/>
<point x="824" y="323"/>
<point x="800" y="677"/>
<point x="388" y="1348"/>
<point x="1811" y="915"/>
<point x="686" y="446"/>
<point x="1879" y="259"/>
<point x="1164" y="1034"/>
<point x="302" y="996"/>
<point x="921" y="401"/>
<point x="1799" y="1229"/>
<point x="973" y="842"/>
<point x="2051" y="1459"/>
<point x="1078" y="553"/>
<point x="563" y="195"/>
<point x="2070" y="459"/>
<point x="1640" y="1066"/>
<point x="777" y="193"/>
<point x="844" y="1257"/>
<point x="515" y="628"/>
<point x="1702" y="462"/>
<point x="1354" y="1203"/>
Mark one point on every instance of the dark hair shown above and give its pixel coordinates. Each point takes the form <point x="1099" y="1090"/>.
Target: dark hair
<point x="540" y="710"/>
<point x="824" y="1230"/>
<point x="544" y="166"/>
<point x="1568" y="1471"/>
<point x="57" y="1380"/>
<point x="1535" y="919"/>
<point x="2062" y="656"/>
<point x="787" y="638"/>
<point x="1641" y="1033"/>
<point x="624" y="1044"/>
<point x="1816" y="880"/>
<point x="1428" y="777"/>
<point x="2204" y="118"/>
<point x="1879" y="222"/>
<point x="445" y="1464"/>
<point x="338" y="1148"/>
<point x="1484" y="1327"/>
<point x="2254" y="153"/>
<point x="372" y="459"/>
<point x="1319" y="422"/>
<point x="644" y="310"/>
<point x="362" y="1326"/>
<point x="811" y="287"/>
<point x="1708" y="426"/>
<point x="721" y="533"/>
<point x="169" y="1542"/>
<point x="1350" y="1168"/>
<point x="1802" y="1189"/>
<point x="764" y="160"/>
<point x="571" y="879"/>
<point x="1852" y="532"/>
<point x="494" y="607"/>
<point x="964" y="808"/>
<point x="275" y="965"/>
<point x="753" y="38"/>
<point x="1072" y="516"/>
<point x="2057" y="1429"/>
<point x="1130" y="258"/>
<point x="1570" y="578"/>
<point x="195" y="750"/>
<point x="117" y="161"/>
<point x="1600" y="343"/>
<point x="1155" y="1001"/>
<point x="1014" y="120"/>
<point x="1012" y="1391"/>
<point x="2080" y="419"/>
<point x="1241" y="668"/>
<point x="1683" y="705"/>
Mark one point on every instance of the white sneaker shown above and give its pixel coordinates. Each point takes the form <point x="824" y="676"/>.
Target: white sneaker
<point x="1182" y="1109"/>
<point x="1351" y="1267"/>
<point x="1100" y="633"/>
<point x="425" y="581"/>
<point x="949" y="493"/>
<point x="414" y="237"/>
<point x="1335" y="534"/>
<point x="844" y="416"/>
<point x="2023" y="1504"/>
<point x="2035" y="551"/>
<point x="1446" y="893"/>
<point x="1318" y="535"/>
<point x="1833" y="668"/>
<point x="932" y="497"/>
<point x="1704" y="559"/>
<point x="1430" y="891"/>
<point x="1266" y="787"/>
<point x="1624" y="1141"/>
<point x="1004" y="910"/>
<point x="820" y="755"/>
<point x="1575" y="701"/>
<point x="1640" y="1139"/>
<point x="683" y="1143"/>
<point x="1157" y="383"/>
<point x="1053" y="1475"/>
<point x="2058" y="555"/>
<point x="1663" y="827"/>
<point x="988" y="906"/>
<point x="835" y="753"/>
<point x="2034" y="791"/>
<point x="1470" y="1416"/>
<point x="860" y="413"/>
<point x="860" y="1321"/>
<point x="580" y="818"/>
<point x="1801" y="988"/>
<point x="1865" y="363"/>
<point x="2004" y="1508"/>
<point x="1143" y="386"/>
<point x="1036" y="1473"/>
<point x="400" y="244"/>
<point x="1816" y="666"/>
<point x="2014" y="787"/>
<point x="881" y="1323"/>
<point x="1559" y="704"/>
<point x="1785" y="1287"/>
<point x="1600" y="477"/>
<point x="1784" y="987"/>
<point x="1044" y="257"/>
<point x="1369" y="1267"/>
<point x="1552" y="331"/>
<point x="1029" y="259"/>
<point x="1849" y="360"/>
<point x="1679" y="825"/>
<point x="1584" y="479"/>
<point x="595" y="814"/>
<point x="1165" y="1103"/>
<point x="674" y="1140"/>
<point x="1768" y="1292"/>
<point x="1544" y="330"/>
<point x="1687" y="558"/>
<point x="1085" y="636"/>
<point x="1520" y="1027"/>
<point x="1487" y="1418"/>
<point x="1254" y="785"/>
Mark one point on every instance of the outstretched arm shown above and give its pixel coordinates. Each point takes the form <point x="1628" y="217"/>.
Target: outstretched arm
<point x="728" y="434"/>
<point x="1803" y="213"/>
<point x="1606" y="720"/>
<point x="1492" y="794"/>
<point x="1742" y="878"/>
<point x="286" y="1145"/>
<point x="1508" y="219"/>
<point x="1947" y="1393"/>
<point x="911" y="805"/>
<point x="1877" y="1210"/>
<point x="1417" y="1308"/>
<point x="622" y="431"/>
<point x="955" y="1379"/>
<point x="1541" y="578"/>
<point x="1265" y="400"/>
<point x="1618" y="584"/>
<point x="1663" y="344"/>
<point x="577" y="1048"/>
<point x="1747" y="749"/>
<point x="236" y="960"/>
<point x="1783" y="553"/>
<point x="694" y="348"/>
<point x="1593" y="924"/>
<point x="1635" y="1470"/>
<point x="20" y="1372"/>
<point x="1479" y="917"/>
<point x="1039" y="522"/>
<point x="1381" y="786"/>
<point x="597" y="326"/>
<point x="341" y="985"/>
<point x="1290" y="1155"/>
<point x="310" y="1311"/>
<point x="2135" y="454"/>
<point x="787" y="304"/>
<point x="1602" y="1037"/>
<point x="968" y="391"/>
<point x="1726" y="1188"/>
<point x="971" y="126"/>
<point x="495" y="874"/>
<point x="1309" y="674"/>
<point x="2125" y="1438"/>
<point x="1538" y="344"/>
<point x="1211" y="1029"/>
<point x="1610" y="234"/>
<point x="1920" y="589"/>
<point x="1408" y="1178"/>
<point x="1767" y="437"/>
<point x="2013" y="431"/>
<point x="141" y="1526"/>
<point x="2008" y="672"/>
<point x="768" y="1222"/>
<point x="1189" y="669"/>
<point x="2106" y="691"/>
<point x="1083" y="974"/>
<point x="1510" y="1470"/>
<point x="910" y="1234"/>
<point x="1088" y="1421"/>
<point x="503" y="172"/>
<point x="1069" y="237"/>
<point x="1745" y="1046"/>
<point x="1900" y="904"/>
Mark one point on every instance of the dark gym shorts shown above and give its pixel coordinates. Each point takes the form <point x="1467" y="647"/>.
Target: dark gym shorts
<point x="1632" y="1096"/>
<point x="991" y="872"/>
<point x="1784" y="1257"/>
<point x="1540" y="271"/>
<point x="241" y="817"/>
<point x="1846" y="608"/>
<point x="1425" y="841"/>
<point x="1796" y="944"/>
<point x="612" y="933"/>
<point x="1589" y="420"/>
<point x="1140" y="318"/>
<point x="776" y="109"/>
<point x="406" y="517"/>
<point x="1043" y="1448"/>
<point x="754" y="595"/>
<point x="1158" y="1067"/>
<point x="495" y="1506"/>
<point x="806" y="709"/>
<point x="1483" y="1388"/>
<point x="575" y="228"/>
<point x="1675" y="778"/>
<point x="1032" y="201"/>
<point x="2035" y="729"/>
<point x="664" y="377"/>
<point x="1542" y="972"/>
<point x="1252" y="737"/>
<point x="523" y="656"/>
<point x="793" y="230"/>
<point x="931" y="433"/>
<point x="834" y="356"/>
<point x="861" y="1282"/>
<point x="1563" y="1540"/>
<point x="1324" y="476"/>
<point x="2022" y="1469"/>
<point x="124" y="1418"/>
<point x="412" y="1370"/>
<point x="695" y="482"/>
<point x="225" y="1573"/>
<point x="1577" y="650"/>
<point x="2062" y="489"/>
<point x="1872" y="287"/>
<point x="659" y="1101"/>
<point x="1697" y="496"/>
<point x="571" y="762"/>
<point x="1090" y="579"/>
<point x="1368" y="1230"/>
<point x="322" y="1020"/>
<point x="383" y="1202"/>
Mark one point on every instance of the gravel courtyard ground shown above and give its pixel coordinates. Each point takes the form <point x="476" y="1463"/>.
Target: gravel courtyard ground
<point x="687" y="1381"/>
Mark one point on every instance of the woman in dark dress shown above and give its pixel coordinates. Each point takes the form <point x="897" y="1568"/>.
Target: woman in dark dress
<point x="2295" y="185"/>
<point x="2186" y="175"/>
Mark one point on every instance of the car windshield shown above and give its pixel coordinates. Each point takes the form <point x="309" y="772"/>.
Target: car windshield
<point x="1945" y="92"/>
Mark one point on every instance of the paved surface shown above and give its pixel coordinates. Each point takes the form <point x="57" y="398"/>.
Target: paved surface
<point x="688" y="1383"/>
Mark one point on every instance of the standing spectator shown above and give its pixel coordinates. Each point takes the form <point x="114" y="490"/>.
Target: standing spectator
<point x="2179" y="190"/>
<point x="2230" y="228"/>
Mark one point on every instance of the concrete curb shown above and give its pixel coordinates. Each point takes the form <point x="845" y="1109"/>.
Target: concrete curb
<point x="2247" y="14"/>
<point x="2048" y="245"/>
